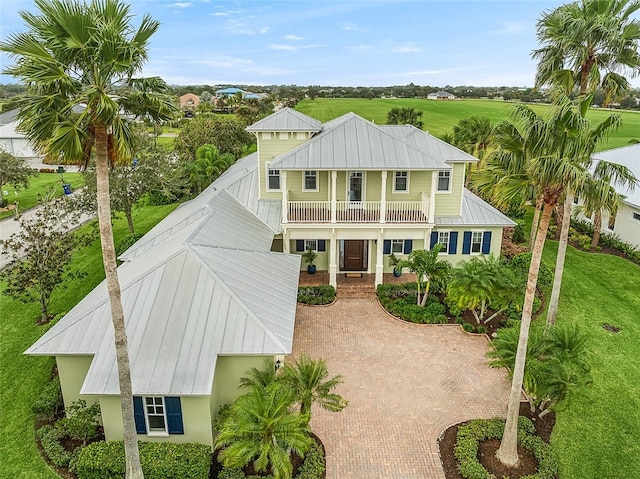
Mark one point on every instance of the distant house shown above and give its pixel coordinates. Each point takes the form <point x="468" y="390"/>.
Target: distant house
<point x="189" y="101"/>
<point x="441" y="95"/>
<point x="626" y="223"/>
<point x="11" y="140"/>
<point x="232" y="91"/>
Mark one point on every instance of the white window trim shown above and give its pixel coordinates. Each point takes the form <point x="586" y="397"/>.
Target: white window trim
<point x="400" y="192"/>
<point x="396" y="241"/>
<point x="481" y="233"/>
<point x="151" y="433"/>
<point x="444" y="192"/>
<point x="267" y="168"/>
<point x="364" y="186"/>
<point x="444" y="251"/>
<point x="304" y="181"/>
<point x="311" y="243"/>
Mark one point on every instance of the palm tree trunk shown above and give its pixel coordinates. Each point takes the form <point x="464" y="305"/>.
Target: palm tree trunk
<point x="559" y="211"/>
<point x="508" y="451"/>
<point x="562" y="251"/>
<point x="534" y="223"/>
<point x="597" y="228"/>
<point x="132" y="456"/>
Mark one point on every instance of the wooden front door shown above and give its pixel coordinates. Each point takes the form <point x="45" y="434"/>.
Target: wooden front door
<point x="354" y="258"/>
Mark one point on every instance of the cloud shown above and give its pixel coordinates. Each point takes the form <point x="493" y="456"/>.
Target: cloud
<point x="293" y="37"/>
<point x="426" y="72"/>
<point x="406" y="48"/>
<point x="351" y="27"/>
<point x="280" y="46"/>
<point x="221" y="14"/>
<point x="512" y="28"/>
<point x="181" y="4"/>
<point x="361" y="48"/>
<point x="238" y="27"/>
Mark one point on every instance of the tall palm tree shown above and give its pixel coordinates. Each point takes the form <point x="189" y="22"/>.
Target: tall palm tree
<point x="262" y="429"/>
<point x="87" y="54"/>
<point x="428" y="267"/>
<point x="589" y="44"/>
<point x="308" y="379"/>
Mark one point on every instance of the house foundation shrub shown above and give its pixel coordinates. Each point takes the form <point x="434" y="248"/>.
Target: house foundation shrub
<point x="474" y="432"/>
<point x="50" y="437"/>
<point x="49" y="402"/>
<point x="317" y="295"/>
<point x="161" y="460"/>
<point x="400" y="300"/>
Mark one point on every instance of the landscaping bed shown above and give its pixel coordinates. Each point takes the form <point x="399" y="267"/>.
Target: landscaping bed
<point x="317" y="295"/>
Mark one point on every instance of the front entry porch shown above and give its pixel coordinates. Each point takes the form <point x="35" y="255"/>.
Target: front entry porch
<point x="350" y="286"/>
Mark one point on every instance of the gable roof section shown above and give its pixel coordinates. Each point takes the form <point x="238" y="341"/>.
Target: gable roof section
<point x="475" y="212"/>
<point x="352" y="143"/>
<point x="628" y="156"/>
<point x="429" y="143"/>
<point x="286" y="119"/>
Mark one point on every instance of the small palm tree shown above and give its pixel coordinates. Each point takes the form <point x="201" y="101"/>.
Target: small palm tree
<point x="308" y="380"/>
<point x="475" y="135"/>
<point x="428" y="268"/>
<point x="262" y="429"/>
<point x="405" y="116"/>
<point x="260" y="378"/>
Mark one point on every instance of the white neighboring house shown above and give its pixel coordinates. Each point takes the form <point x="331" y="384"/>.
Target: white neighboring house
<point x="11" y="140"/>
<point x="626" y="224"/>
<point x="441" y="95"/>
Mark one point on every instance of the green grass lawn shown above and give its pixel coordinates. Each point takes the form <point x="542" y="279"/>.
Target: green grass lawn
<point x="22" y="377"/>
<point x="439" y="117"/>
<point x="166" y="141"/>
<point x="28" y="197"/>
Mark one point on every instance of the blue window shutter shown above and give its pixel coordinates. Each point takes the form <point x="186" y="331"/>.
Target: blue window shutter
<point x="434" y="239"/>
<point x="408" y="246"/>
<point x="174" y="415"/>
<point x="466" y="242"/>
<point x="322" y="245"/>
<point x="453" y="242"/>
<point x="486" y="242"/>
<point x="386" y="247"/>
<point x="299" y="245"/>
<point x="138" y="415"/>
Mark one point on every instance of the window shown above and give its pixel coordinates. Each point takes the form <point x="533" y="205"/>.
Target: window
<point x="397" y="246"/>
<point x="476" y="242"/>
<point x="635" y="216"/>
<point x="612" y="223"/>
<point x="311" y="244"/>
<point x="444" y="181"/>
<point x="154" y="409"/>
<point x="273" y="179"/>
<point x="401" y="182"/>
<point x="310" y="181"/>
<point x="443" y="239"/>
<point x="318" y="245"/>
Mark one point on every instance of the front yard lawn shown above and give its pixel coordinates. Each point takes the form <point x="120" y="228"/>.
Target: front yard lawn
<point x="23" y="377"/>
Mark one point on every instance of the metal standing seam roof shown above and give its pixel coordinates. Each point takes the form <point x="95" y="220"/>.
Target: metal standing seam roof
<point x="475" y="212"/>
<point x="628" y="156"/>
<point x="286" y="119"/>
<point x="353" y="143"/>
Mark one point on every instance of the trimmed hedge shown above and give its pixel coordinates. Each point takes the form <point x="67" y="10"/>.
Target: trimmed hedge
<point x="318" y="295"/>
<point x="400" y="300"/>
<point x="50" y="437"/>
<point x="473" y="432"/>
<point x="49" y="402"/>
<point x="160" y="460"/>
<point x="312" y="467"/>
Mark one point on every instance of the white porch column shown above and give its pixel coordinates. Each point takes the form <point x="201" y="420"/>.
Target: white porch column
<point x="379" y="259"/>
<point x="285" y="197"/>
<point x="334" y="177"/>
<point x="286" y="242"/>
<point x="383" y="198"/>
<point x="432" y="198"/>
<point x="333" y="255"/>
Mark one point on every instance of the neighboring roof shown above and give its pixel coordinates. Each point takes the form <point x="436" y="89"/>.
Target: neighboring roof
<point x="10" y="130"/>
<point x="475" y="212"/>
<point x="187" y="299"/>
<point x="8" y="116"/>
<point x="628" y="156"/>
<point x="229" y="91"/>
<point x="441" y="93"/>
<point x="286" y="119"/>
<point x="352" y="143"/>
<point x="429" y="143"/>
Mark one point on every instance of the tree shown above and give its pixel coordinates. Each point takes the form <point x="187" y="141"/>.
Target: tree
<point x="209" y="164"/>
<point x="308" y="379"/>
<point x="253" y="109"/>
<point x="428" y="268"/>
<point x="40" y="254"/>
<point x="262" y="429"/>
<point x="474" y="135"/>
<point x="589" y="44"/>
<point x="405" y="116"/>
<point x="13" y="171"/>
<point x="76" y="53"/>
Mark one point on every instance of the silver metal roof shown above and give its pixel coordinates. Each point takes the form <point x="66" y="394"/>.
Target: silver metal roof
<point x="286" y="119"/>
<point x="628" y="156"/>
<point x="429" y="143"/>
<point x="352" y="143"/>
<point x="475" y="212"/>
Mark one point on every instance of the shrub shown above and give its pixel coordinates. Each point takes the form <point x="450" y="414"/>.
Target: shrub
<point x="47" y="170"/>
<point x="127" y="242"/>
<point x="518" y="232"/>
<point x="81" y="422"/>
<point x="323" y="294"/>
<point x="521" y="264"/>
<point x="160" y="460"/>
<point x="49" y="402"/>
<point x="50" y="440"/>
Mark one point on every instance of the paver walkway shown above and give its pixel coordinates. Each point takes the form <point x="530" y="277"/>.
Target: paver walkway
<point x="405" y="384"/>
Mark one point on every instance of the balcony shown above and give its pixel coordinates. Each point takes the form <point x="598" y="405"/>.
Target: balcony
<point x="394" y="212"/>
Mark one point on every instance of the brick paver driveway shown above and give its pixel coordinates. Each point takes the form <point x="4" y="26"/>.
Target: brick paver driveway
<point x="405" y="384"/>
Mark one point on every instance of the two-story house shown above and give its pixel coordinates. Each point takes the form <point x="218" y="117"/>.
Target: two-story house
<point x="356" y="192"/>
<point x="211" y="290"/>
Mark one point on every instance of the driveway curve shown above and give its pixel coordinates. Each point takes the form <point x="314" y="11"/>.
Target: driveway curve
<point x="405" y="384"/>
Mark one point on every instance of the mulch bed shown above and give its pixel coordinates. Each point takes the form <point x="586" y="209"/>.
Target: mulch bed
<point x="487" y="449"/>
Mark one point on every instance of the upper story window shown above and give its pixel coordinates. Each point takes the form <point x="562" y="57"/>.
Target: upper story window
<point x="401" y="182"/>
<point x="476" y="242"/>
<point x="635" y="216"/>
<point x="444" y="180"/>
<point x="443" y="239"/>
<point x="310" y="181"/>
<point x="273" y="179"/>
<point x="155" y="414"/>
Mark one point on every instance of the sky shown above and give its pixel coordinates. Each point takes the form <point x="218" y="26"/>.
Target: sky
<point x="334" y="43"/>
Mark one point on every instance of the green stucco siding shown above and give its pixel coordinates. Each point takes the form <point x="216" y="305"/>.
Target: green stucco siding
<point x="321" y="262"/>
<point x="454" y="259"/>
<point x="267" y="150"/>
<point x="448" y="204"/>
<point x="419" y="182"/>
<point x="295" y="185"/>
<point x="72" y="371"/>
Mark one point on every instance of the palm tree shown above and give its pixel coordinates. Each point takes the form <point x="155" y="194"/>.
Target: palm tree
<point x="262" y="429"/>
<point x="87" y="54"/>
<point x="308" y="379"/>
<point x="428" y="268"/>
<point x="405" y="116"/>
<point x="474" y="135"/>
<point x="589" y="44"/>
